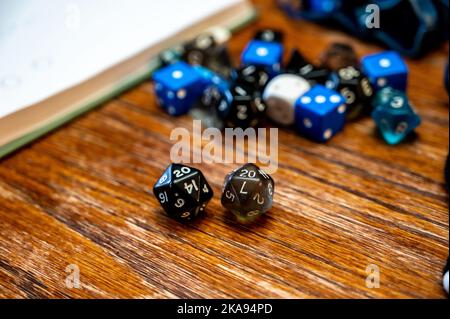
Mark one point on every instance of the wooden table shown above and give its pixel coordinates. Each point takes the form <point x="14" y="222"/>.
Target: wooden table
<point x="82" y="196"/>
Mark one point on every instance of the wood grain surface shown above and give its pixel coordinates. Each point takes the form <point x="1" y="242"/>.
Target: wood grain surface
<point x="82" y="195"/>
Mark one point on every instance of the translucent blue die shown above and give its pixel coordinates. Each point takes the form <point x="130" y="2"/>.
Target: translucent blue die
<point x="178" y="86"/>
<point x="324" y="6"/>
<point x="266" y="54"/>
<point x="385" y="69"/>
<point x="320" y="113"/>
<point x="394" y="116"/>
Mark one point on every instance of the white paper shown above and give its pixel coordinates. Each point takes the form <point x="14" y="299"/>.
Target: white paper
<point x="48" y="46"/>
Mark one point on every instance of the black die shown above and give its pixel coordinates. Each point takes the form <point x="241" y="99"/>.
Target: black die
<point x="300" y="66"/>
<point x="170" y="56"/>
<point x="246" y="108"/>
<point x="196" y="51"/>
<point x="248" y="192"/>
<point x="204" y="50"/>
<point x="182" y="191"/>
<point x="355" y="88"/>
<point x="207" y="107"/>
<point x="338" y="56"/>
<point x="251" y="76"/>
<point x="269" y="35"/>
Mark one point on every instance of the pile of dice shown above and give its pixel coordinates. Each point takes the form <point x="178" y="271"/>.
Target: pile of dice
<point x="315" y="99"/>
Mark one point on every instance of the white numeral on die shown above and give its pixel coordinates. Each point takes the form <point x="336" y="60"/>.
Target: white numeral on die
<point x="242" y="188"/>
<point x="179" y="203"/>
<point x="184" y="170"/>
<point x="242" y="112"/>
<point x="163" y="197"/>
<point x="190" y="187"/>
<point x="185" y="215"/>
<point x="259" y="199"/>
<point x="229" y="195"/>
<point x="270" y="187"/>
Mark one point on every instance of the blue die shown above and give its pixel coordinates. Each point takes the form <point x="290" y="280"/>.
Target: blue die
<point x="266" y="54"/>
<point x="394" y="116"/>
<point x="320" y="113"/>
<point x="312" y="9"/>
<point x="208" y="77"/>
<point x="386" y="69"/>
<point x="323" y="8"/>
<point x="178" y="86"/>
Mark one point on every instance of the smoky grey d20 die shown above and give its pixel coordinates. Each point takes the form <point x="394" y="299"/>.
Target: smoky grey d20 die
<point x="248" y="192"/>
<point x="182" y="191"/>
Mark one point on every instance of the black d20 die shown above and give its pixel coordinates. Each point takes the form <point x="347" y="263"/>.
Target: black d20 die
<point x="355" y="88"/>
<point x="248" y="192"/>
<point x="182" y="191"/>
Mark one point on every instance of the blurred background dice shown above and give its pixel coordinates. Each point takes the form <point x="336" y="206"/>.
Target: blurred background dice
<point x="394" y="115"/>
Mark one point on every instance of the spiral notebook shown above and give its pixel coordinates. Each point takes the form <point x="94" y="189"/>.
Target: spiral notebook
<point x="59" y="59"/>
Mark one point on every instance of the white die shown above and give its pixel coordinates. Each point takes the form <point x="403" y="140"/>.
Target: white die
<point x="445" y="281"/>
<point x="280" y="95"/>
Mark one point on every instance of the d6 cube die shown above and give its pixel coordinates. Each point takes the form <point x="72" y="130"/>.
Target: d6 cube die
<point x="320" y="113"/>
<point x="182" y="191"/>
<point x="386" y="69"/>
<point x="248" y="192"/>
<point x="393" y="115"/>
<point x="354" y="87"/>
<point x="280" y="96"/>
<point x="177" y="87"/>
<point x="264" y="54"/>
<point x="208" y="77"/>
